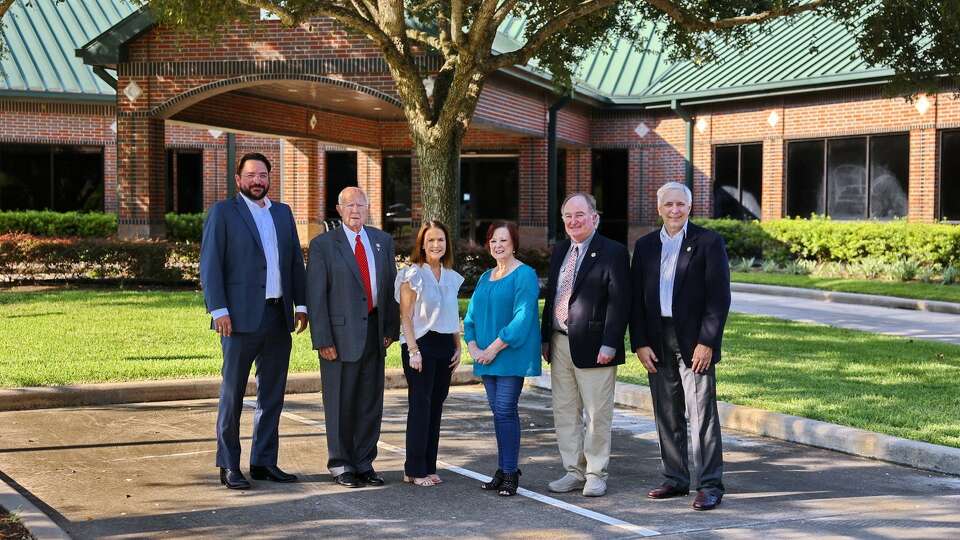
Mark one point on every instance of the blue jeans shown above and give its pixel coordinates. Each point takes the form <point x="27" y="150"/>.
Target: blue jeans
<point x="503" y="394"/>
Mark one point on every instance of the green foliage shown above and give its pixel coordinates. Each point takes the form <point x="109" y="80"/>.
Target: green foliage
<point x="185" y="227"/>
<point x="744" y="239"/>
<point x="951" y="275"/>
<point x="47" y="223"/>
<point x="28" y="258"/>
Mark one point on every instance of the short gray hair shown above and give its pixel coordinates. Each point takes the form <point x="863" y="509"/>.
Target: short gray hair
<point x="351" y="188"/>
<point x="674" y="186"/>
<point x="591" y="201"/>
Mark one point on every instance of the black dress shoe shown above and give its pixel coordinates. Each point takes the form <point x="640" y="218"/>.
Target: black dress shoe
<point x="347" y="479"/>
<point x="666" y="491"/>
<point x="707" y="500"/>
<point x="233" y="479"/>
<point x="272" y="473"/>
<point x="371" y="478"/>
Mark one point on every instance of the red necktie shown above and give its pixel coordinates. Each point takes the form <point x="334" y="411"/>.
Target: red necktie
<point x="361" y="254"/>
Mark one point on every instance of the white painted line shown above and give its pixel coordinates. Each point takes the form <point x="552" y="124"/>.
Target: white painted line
<point x="158" y="456"/>
<point x="556" y="503"/>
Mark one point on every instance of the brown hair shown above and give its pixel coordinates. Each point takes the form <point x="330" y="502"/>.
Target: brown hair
<point x="252" y="156"/>
<point x="419" y="255"/>
<point x="511" y="228"/>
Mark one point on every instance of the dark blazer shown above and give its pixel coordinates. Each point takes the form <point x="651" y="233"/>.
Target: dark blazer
<point x="599" y="303"/>
<point x="233" y="267"/>
<point x="701" y="292"/>
<point x="337" y="301"/>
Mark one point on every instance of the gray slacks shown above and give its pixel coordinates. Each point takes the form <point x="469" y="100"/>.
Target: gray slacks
<point x="679" y="393"/>
<point x="353" y="406"/>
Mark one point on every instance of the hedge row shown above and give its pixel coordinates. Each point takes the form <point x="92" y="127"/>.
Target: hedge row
<point x="185" y="227"/>
<point x="822" y="240"/>
<point x="58" y="224"/>
<point x="30" y="258"/>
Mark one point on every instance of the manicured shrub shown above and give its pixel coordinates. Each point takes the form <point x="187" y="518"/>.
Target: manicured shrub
<point x="744" y="239"/>
<point x="59" y="224"/>
<point x="185" y="227"/>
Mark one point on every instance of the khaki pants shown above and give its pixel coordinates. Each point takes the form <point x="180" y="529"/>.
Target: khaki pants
<point x="582" y="411"/>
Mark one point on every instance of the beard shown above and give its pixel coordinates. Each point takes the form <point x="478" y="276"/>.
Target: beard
<point x="251" y="196"/>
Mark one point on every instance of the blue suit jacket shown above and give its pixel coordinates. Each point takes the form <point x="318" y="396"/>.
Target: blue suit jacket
<point x="233" y="267"/>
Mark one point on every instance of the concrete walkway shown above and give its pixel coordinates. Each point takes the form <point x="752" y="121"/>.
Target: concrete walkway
<point x="146" y="471"/>
<point x="926" y="325"/>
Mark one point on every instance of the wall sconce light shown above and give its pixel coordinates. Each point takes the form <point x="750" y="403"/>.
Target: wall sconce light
<point x="701" y="125"/>
<point x="922" y="104"/>
<point x="773" y="119"/>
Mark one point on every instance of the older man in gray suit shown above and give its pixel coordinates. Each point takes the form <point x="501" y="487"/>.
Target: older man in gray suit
<point x="353" y="319"/>
<point x="251" y="268"/>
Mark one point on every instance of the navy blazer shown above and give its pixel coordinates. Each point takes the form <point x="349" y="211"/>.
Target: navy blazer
<point x="599" y="303"/>
<point x="233" y="267"/>
<point x="701" y="293"/>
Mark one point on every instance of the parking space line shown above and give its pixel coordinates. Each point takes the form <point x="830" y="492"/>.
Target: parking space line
<point x="545" y="499"/>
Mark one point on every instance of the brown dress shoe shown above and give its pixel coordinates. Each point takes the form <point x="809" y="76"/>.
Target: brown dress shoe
<point x="707" y="500"/>
<point x="666" y="491"/>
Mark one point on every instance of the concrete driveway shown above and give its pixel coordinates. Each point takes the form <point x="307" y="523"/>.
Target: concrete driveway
<point x="146" y="471"/>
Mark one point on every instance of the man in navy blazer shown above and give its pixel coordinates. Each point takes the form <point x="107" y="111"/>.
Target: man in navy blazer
<point x="585" y="316"/>
<point x="253" y="278"/>
<point x="681" y="297"/>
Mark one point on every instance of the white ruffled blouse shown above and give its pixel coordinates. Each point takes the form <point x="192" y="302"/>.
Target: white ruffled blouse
<point x="436" y="306"/>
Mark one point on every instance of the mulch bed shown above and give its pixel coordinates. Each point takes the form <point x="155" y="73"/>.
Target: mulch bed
<point x="11" y="528"/>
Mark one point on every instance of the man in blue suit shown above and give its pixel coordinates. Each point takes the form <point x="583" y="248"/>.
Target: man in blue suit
<point x="253" y="278"/>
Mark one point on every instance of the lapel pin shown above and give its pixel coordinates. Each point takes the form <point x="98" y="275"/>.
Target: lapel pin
<point x="594" y="254"/>
<point x="688" y="248"/>
<point x="378" y="247"/>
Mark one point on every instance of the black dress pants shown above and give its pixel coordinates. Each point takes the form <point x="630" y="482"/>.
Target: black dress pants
<point x="426" y="392"/>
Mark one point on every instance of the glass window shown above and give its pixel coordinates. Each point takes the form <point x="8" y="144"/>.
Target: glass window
<point x="489" y="191"/>
<point x="950" y="176"/>
<point x="46" y="177"/>
<point x="738" y="181"/>
<point x="805" y="178"/>
<point x="397" y="200"/>
<point x="849" y="178"/>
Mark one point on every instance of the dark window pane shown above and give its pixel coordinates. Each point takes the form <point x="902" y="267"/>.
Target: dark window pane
<point x="805" y="178"/>
<point x="25" y="177"/>
<point x="397" y="200"/>
<point x="610" y="176"/>
<point x="490" y="191"/>
<point x="78" y="178"/>
<point x="341" y="169"/>
<point x="889" y="176"/>
<point x="950" y="176"/>
<point x="726" y="189"/>
<point x="847" y="178"/>
<point x="751" y="180"/>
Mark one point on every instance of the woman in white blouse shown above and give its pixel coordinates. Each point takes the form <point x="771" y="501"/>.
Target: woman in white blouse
<point x="430" y="338"/>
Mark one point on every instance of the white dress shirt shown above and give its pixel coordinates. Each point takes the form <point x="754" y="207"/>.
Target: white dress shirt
<point x="371" y="265"/>
<point x="436" y="308"/>
<point x="669" y="253"/>
<point x="267" y="231"/>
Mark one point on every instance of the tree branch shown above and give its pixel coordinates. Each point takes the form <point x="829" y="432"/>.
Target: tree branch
<point x="456" y="21"/>
<point x="424" y="38"/>
<point x="690" y="22"/>
<point x="504" y="10"/>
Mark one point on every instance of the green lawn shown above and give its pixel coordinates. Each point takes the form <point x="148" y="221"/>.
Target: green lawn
<point x="918" y="290"/>
<point x="891" y="385"/>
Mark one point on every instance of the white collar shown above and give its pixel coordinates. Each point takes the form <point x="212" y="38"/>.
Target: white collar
<point x="254" y="206"/>
<point x="665" y="236"/>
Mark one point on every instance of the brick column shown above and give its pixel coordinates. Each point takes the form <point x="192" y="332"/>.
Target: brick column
<point x="532" y="216"/>
<point x="141" y="176"/>
<point x="110" y="193"/>
<point x="369" y="170"/>
<point x="702" y="176"/>
<point x="922" y="197"/>
<point x="773" y="203"/>
<point x="302" y="186"/>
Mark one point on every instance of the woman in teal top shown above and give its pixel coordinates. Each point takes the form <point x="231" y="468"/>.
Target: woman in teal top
<point x="502" y="331"/>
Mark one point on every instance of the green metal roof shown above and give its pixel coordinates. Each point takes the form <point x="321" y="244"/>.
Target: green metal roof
<point x="41" y="38"/>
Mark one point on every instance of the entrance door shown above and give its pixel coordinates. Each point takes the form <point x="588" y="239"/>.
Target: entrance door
<point x="341" y="172"/>
<point x="610" y="179"/>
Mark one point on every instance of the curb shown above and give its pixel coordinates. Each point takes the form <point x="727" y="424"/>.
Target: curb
<point x="857" y="442"/>
<point x="51" y="397"/>
<point x="848" y="298"/>
<point x="39" y="525"/>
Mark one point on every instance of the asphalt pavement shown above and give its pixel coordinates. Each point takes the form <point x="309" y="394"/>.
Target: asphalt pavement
<point x="146" y="471"/>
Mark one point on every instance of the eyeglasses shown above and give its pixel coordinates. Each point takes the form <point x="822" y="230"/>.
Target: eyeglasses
<point x="255" y="176"/>
<point x="354" y="206"/>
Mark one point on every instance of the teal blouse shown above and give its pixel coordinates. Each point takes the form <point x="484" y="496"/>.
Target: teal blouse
<point x="506" y="308"/>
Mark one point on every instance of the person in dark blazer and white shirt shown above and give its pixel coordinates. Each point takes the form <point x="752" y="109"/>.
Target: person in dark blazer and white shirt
<point x="585" y="316"/>
<point x="251" y="270"/>
<point x="353" y="319"/>
<point x="681" y="297"/>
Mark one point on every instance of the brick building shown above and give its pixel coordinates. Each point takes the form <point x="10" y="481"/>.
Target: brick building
<point x="793" y="126"/>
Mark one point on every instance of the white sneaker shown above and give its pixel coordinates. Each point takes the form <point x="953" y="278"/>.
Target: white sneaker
<point x="568" y="483"/>
<point x="595" y="487"/>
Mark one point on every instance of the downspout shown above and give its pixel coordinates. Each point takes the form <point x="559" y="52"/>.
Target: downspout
<point x="688" y="161"/>
<point x="231" y="165"/>
<point x="552" y="188"/>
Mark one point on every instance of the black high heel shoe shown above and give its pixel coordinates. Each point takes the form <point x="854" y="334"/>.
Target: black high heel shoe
<point x="511" y="481"/>
<point x="494" y="483"/>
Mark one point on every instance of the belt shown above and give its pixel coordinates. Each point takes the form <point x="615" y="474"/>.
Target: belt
<point x="275" y="301"/>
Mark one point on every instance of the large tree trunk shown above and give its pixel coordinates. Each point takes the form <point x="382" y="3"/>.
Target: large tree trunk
<point x="439" y="162"/>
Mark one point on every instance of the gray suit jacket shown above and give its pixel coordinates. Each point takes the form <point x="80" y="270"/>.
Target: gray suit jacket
<point x="336" y="298"/>
<point x="233" y="267"/>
